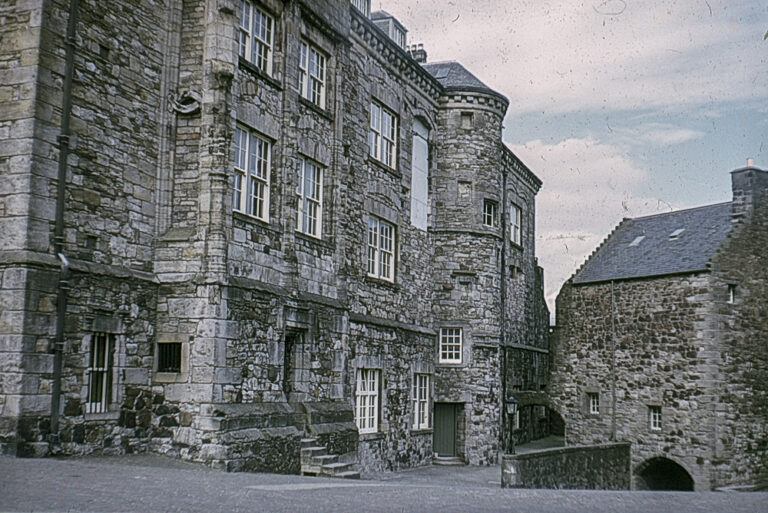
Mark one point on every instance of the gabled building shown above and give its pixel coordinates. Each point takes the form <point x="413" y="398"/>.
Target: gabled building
<point x="248" y="232"/>
<point x="662" y="341"/>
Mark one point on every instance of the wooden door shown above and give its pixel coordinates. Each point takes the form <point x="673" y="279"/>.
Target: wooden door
<point x="444" y="443"/>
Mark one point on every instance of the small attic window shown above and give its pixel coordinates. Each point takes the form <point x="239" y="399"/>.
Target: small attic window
<point x="637" y="241"/>
<point x="441" y="73"/>
<point x="676" y="233"/>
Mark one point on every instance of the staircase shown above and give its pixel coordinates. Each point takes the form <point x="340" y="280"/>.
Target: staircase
<point x="315" y="461"/>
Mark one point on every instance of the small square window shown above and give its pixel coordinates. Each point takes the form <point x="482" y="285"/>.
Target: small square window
<point x="169" y="357"/>
<point x="490" y="213"/>
<point x="450" y="345"/>
<point x="654" y="417"/>
<point x="467" y="120"/>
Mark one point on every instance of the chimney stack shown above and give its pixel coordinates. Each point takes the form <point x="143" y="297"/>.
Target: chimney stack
<point x="418" y="53"/>
<point x="750" y="189"/>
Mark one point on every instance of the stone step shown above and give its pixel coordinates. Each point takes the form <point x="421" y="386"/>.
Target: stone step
<point x="324" y="459"/>
<point x="445" y="460"/>
<point x="333" y="469"/>
<point x="308" y="442"/>
<point x="349" y="474"/>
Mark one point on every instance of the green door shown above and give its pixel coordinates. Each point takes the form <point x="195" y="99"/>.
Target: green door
<point x="445" y="429"/>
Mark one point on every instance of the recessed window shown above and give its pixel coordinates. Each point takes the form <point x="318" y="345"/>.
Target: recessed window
<point x="312" y="74"/>
<point x="100" y="373"/>
<point x="421" y="401"/>
<point x="675" y="234"/>
<point x="256" y="36"/>
<point x="467" y="120"/>
<point x="731" y="293"/>
<point x="310" y="193"/>
<point x="382" y="137"/>
<point x="450" y="345"/>
<point x="490" y="213"/>
<point x="593" y="401"/>
<point x="381" y="249"/>
<point x="420" y="175"/>
<point x="637" y="241"/>
<point x="367" y="400"/>
<point x="515" y="221"/>
<point x="252" y="165"/>
<point x="654" y="418"/>
<point x="169" y="357"/>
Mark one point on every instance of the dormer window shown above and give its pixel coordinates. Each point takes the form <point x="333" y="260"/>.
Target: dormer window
<point x="391" y="27"/>
<point x="364" y="6"/>
<point x="674" y="235"/>
<point x="398" y="36"/>
<point x="637" y="241"/>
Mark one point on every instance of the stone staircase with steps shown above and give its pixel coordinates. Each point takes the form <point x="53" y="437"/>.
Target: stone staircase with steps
<point x="315" y="461"/>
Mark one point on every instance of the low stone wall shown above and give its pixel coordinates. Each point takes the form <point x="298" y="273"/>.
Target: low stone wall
<point x="596" y="467"/>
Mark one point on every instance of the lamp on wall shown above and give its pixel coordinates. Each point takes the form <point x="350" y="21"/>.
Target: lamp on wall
<point x="512" y="404"/>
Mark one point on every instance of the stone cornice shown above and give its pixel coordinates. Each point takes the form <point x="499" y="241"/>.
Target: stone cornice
<point x="511" y="160"/>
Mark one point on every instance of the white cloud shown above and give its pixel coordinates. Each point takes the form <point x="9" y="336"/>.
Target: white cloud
<point x="587" y="191"/>
<point x="659" y="134"/>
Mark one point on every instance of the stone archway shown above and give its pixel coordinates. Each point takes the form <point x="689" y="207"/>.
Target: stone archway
<point x="661" y="473"/>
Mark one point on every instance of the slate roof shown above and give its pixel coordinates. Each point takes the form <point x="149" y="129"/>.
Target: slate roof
<point x="703" y="230"/>
<point x="453" y="75"/>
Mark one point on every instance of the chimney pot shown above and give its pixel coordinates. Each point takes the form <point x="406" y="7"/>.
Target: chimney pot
<point x="750" y="163"/>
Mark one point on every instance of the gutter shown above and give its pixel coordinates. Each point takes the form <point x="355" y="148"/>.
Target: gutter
<point x="58" y="238"/>
<point x="504" y="437"/>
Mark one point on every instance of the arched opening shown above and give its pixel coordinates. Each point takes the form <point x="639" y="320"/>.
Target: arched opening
<point x="556" y="424"/>
<point x="662" y="474"/>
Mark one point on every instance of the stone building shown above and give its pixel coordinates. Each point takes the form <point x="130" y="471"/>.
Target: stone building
<point x="230" y="226"/>
<point x="661" y="342"/>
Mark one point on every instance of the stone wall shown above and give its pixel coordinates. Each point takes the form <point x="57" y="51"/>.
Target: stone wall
<point x="598" y="467"/>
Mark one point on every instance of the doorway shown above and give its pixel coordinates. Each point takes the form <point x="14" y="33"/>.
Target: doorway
<point x="444" y="441"/>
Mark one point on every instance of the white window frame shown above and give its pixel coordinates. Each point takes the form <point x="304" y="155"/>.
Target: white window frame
<point x="309" y="215"/>
<point x="654" y="418"/>
<point x="253" y="162"/>
<point x="100" y="372"/>
<point x="312" y="73"/>
<point x="421" y="399"/>
<point x="382" y="240"/>
<point x="364" y="6"/>
<point x="367" y="400"/>
<point x="490" y="213"/>
<point x="451" y="345"/>
<point x="382" y="136"/>
<point x="515" y="221"/>
<point x="593" y="403"/>
<point x="257" y="32"/>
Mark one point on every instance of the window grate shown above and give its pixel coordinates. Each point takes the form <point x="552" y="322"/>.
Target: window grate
<point x="100" y="373"/>
<point x="169" y="357"/>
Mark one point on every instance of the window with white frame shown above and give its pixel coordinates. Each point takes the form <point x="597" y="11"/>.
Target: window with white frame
<point x="593" y="401"/>
<point x="367" y="400"/>
<point x="421" y="401"/>
<point x="256" y="36"/>
<point x="252" y="165"/>
<point x="382" y="137"/>
<point x="450" y="345"/>
<point x="731" y="293"/>
<point x="654" y="417"/>
<point x="381" y="249"/>
<point x="100" y="373"/>
<point x="490" y="213"/>
<point x="312" y="74"/>
<point x="515" y="220"/>
<point x="310" y="193"/>
<point x="364" y="6"/>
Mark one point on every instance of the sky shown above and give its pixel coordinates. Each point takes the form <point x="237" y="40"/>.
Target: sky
<point x="622" y="107"/>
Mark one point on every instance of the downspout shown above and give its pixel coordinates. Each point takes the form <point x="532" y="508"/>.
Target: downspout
<point x="613" y="365"/>
<point x="58" y="237"/>
<point x="503" y="325"/>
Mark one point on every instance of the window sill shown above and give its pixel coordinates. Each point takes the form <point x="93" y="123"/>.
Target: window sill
<point x="451" y="364"/>
<point x="515" y="245"/>
<point x="249" y="217"/>
<point x="312" y="239"/>
<point x="254" y="71"/>
<point x="380" y="282"/>
<point x="379" y="164"/>
<point x="107" y="415"/>
<point x="422" y="431"/>
<point x="169" y="377"/>
<point x="366" y="437"/>
<point x="315" y="108"/>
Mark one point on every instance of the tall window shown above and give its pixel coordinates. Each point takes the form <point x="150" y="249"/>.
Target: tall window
<point x="256" y="36"/>
<point x="515" y="219"/>
<point x="654" y="417"/>
<point x="421" y="401"/>
<point x="367" y="400"/>
<point x="252" y="163"/>
<point x="100" y="373"/>
<point x="490" y="213"/>
<point x="382" y="138"/>
<point x="381" y="249"/>
<point x="312" y="74"/>
<point x="419" y="175"/>
<point x="594" y="403"/>
<point x="450" y="345"/>
<point x="310" y="193"/>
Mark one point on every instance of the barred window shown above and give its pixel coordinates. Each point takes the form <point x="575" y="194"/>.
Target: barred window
<point x="450" y="345"/>
<point x="169" y="357"/>
<point x="256" y="36"/>
<point x="310" y="192"/>
<point x="252" y="166"/>
<point x="382" y="137"/>
<point x="100" y="373"/>
<point x="367" y="400"/>
<point x="381" y="249"/>
<point x="421" y="401"/>
<point x="312" y="74"/>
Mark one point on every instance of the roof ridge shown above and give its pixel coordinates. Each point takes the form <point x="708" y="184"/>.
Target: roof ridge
<point x="660" y="214"/>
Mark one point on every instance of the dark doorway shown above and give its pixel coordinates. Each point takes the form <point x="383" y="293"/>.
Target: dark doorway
<point x="663" y="474"/>
<point x="294" y="340"/>
<point x="445" y="429"/>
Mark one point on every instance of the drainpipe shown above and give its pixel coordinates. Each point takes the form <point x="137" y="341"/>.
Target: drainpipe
<point x="58" y="238"/>
<point x="503" y="325"/>
<point x="613" y="365"/>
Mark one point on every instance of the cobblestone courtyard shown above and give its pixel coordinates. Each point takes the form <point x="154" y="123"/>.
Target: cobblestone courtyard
<point x="154" y="483"/>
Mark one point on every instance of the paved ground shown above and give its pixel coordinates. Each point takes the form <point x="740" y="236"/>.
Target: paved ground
<point x="154" y="483"/>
